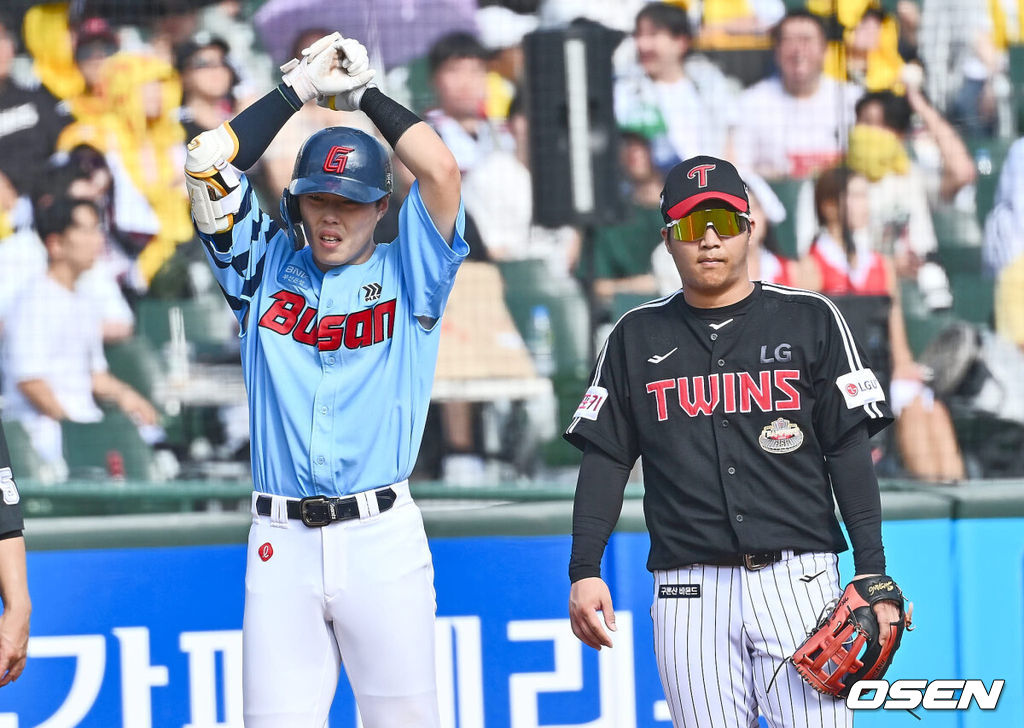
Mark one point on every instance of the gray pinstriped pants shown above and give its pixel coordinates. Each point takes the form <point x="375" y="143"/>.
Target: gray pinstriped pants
<point x="717" y="652"/>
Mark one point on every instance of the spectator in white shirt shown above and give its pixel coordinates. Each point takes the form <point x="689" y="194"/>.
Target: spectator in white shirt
<point x="458" y="72"/>
<point x="53" y="359"/>
<point x="498" y="194"/>
<point x="796" y="123"/>
<point x="681" y="102"/>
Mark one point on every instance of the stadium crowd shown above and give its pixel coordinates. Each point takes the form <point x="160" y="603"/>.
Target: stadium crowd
<point x="877" y="139"/>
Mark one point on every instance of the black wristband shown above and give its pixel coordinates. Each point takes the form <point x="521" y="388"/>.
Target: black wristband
<point x="390" y="117"/>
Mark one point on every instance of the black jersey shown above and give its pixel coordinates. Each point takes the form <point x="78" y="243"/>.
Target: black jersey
<point x="30" y="122"/>
<point x="732" y="411"/>
<point x="10" y="511"/>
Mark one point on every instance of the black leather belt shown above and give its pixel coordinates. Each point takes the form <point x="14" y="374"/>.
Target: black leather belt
<point x="752" y="561"/>
<point x="319" y="510"/>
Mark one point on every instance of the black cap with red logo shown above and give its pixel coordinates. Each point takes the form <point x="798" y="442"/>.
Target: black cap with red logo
<point x="697" y="179"/>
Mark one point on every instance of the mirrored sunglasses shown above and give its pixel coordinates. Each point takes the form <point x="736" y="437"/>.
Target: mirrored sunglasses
<point x="690" y="228"/>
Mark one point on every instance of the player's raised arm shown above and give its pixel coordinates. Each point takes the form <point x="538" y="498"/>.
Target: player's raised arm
<point x="213" y="186"/>
<point x="433" y="164"/>
<point x="416" y="144"/>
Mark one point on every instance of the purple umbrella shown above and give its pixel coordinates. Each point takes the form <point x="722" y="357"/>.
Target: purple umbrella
<point x="393" y="31"/>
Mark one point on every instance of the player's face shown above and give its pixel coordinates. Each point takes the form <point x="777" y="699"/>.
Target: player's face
<point x="800" y="54"/>
<point x="339" y="230"/>
<point x="657" y="50"/>
<point x="713" y="270"/>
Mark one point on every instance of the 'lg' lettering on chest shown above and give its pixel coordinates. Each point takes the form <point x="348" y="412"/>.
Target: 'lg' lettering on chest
<point x="770" y="391"/>
<point x="289" y="314"/>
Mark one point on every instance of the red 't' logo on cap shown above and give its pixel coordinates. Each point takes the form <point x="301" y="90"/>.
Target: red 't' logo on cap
<point x="336" y="159"/>
<point x="701" y="173"/>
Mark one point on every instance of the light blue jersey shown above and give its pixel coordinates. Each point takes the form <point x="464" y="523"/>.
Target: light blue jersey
<point x="339" y="365"/>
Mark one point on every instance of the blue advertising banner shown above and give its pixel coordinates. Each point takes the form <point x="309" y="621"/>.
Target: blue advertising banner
<point x="152" y="636"/>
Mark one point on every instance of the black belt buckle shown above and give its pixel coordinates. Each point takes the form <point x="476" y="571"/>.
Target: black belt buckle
<point x="758" y="561"/>
<point x="316" y="511"/>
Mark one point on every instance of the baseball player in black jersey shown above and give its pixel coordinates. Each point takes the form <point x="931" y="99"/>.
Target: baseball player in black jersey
<point x="750" y="404"/>
<point x="13" y="582"/>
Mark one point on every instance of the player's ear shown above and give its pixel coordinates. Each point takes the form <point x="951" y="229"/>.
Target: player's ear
<point x="382" y="206"/>
<point x="664" y="237"/>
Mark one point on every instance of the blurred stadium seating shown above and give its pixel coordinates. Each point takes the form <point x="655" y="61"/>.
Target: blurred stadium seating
<point x="546" y="304"/>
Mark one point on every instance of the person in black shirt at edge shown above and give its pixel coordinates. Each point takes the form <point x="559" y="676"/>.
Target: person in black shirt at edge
<point x="750" y="404"/>
<point x="13" y="580"/>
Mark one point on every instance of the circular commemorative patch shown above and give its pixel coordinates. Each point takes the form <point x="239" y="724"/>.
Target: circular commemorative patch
<point x="781" y="436"/>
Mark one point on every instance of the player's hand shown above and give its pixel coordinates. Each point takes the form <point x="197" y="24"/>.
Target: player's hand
<point x="356" y="63"/>
<point x="13" y="644"/>
<point x="887" y="613"/>
<point x="586" y="598"/>
<point x="320" y="73"/>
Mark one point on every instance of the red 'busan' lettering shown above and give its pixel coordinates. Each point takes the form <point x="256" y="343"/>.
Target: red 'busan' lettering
<point x="289" y="315"/>
<point x="768" y="390"/>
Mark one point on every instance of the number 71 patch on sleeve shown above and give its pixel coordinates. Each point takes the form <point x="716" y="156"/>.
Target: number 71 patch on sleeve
<point x="592" y="402"/>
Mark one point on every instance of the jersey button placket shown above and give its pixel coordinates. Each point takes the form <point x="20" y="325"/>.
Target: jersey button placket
<point x="323" y="425"/>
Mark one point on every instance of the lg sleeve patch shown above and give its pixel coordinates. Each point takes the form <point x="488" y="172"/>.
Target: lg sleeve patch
<point x="8" y="487"/>
<point x="860" y="388"/>
<point x="592" y="402"/>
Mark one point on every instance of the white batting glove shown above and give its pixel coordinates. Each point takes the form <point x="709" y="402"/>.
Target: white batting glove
<point x="356" y="63"/>
<point x="213" y="184"/>
<point x="320" y="71"/>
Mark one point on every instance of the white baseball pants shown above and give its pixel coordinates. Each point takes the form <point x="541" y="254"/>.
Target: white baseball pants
<point x="357" y="592"/>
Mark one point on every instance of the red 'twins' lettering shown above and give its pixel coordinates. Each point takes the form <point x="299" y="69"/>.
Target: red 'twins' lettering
<point x="769" y="391"/>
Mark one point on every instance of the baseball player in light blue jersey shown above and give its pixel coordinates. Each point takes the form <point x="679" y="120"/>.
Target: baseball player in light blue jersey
<point x="339" y="345"/>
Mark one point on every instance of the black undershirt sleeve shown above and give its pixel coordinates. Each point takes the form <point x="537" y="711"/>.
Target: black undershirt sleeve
<point x="596" y="509"/>
<point x="256" y="126"/>
<point x="856" y="487"/>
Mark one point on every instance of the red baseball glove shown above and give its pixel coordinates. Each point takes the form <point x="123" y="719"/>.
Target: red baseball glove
<point x="844" y="647"/>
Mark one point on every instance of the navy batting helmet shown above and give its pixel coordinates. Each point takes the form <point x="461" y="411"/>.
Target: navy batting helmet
<point x="340" y="161"/>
